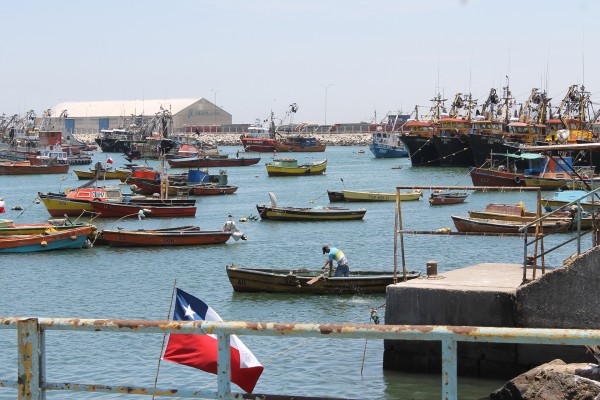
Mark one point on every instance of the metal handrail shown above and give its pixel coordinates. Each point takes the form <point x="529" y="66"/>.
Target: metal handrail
<point x="31" y="383"/>
<point x="574" y="202"/>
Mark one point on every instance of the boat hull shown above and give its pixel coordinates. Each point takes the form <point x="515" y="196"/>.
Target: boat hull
<point x="204" y="162"/>
<point x="438" y="199"/>
<point x="354" y="196"/>
<point x="380" y="150"/>
<point x="119" y="210"/>
<point x="146" y="186"/>
<point x="421" y="150"/>
<point x="464" y="224"/>
<point x="17" y="169"/>
<point x="453" y="151"/>
<point x="335" y="196"/>
<point x="66" y="239"/>
<point x="309" y="214"/>
<point x="284" y="147"/>
<point x="301" y="170"/>
<point x="490" y="177"/>
<point x="118" y="174"/>
<point x="258" y="145"/>
<point x="295" y="281"/>
<point x="163" y="238"/>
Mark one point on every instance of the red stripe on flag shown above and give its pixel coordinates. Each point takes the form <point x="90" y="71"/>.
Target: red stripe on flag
<point x="200" y="351"/>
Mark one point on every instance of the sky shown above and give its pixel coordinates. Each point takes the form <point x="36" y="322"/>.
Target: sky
<point x="340" y="61"/>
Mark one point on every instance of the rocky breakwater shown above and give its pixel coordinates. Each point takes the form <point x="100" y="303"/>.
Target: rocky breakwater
<point x="555" y="380"/>
<point x="329" y="139"/>
<point x="233" y="139"/>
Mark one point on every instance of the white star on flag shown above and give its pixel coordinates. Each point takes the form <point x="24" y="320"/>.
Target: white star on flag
<point x="189" y="312"/>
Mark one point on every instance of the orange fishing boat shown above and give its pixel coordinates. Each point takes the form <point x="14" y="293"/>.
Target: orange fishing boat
<point x="164" y="237"/>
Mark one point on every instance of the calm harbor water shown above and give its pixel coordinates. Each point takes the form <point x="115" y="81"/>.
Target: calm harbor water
<point x="107" y="282"/>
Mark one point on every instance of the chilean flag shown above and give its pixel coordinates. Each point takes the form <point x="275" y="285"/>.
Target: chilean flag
<point x="200" y="351"/>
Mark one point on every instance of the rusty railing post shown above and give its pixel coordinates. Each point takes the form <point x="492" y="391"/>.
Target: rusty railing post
<point x="31" y="360"/>
<point x="224" y="365"/>
<point x="449" y="370"/>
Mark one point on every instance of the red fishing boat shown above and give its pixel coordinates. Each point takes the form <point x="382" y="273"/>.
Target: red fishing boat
<point x="260" y="139"/>
<point x="440" y="197"/>
<point x="119" y="210"/>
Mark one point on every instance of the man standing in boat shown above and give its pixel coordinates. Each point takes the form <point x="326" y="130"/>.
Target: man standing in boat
<point x="342" y="262"/>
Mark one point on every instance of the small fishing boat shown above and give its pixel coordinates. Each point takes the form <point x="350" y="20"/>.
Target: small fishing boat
<point x="298" y="144"/>
<point x="147" y="186"/>
<point x="110" y="173"/>
<point x="297" y="281"/>
<point x="77" y="201"/>
<point x="49" y="240"/>
<point x="119" y="210"/>
<point x="5" y="223"/>
<point x="387" y="145"/>
<point x="163" y="238"/>
<point x="358" y="196"/>
<point x="35" y="229"/>
<point x="100" y="241"/>
<point x="290" y="167"/>
<point x="309" y="214"/>
<point x="562" y="198"/>
<point x="441" y="197"/>
<point x="211" y="161"/>
<point x="496" y="177"/>
<point x="259" y="138"/>
<point x="467" y="224"/>
<point x="517" y="212"/>
<point x="27" y="168"/>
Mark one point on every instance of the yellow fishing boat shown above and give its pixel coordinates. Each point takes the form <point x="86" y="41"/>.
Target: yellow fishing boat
<point x="121" y="174"/>
<point x="290" y="167"/>
<point x="356" y="196"/>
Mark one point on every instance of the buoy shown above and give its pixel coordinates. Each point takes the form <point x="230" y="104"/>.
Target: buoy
<point x="72" y="237"/>
<point x="17" y="208"/>
<point x="243" y="219"/>
<point x="44" y="243"/>
<point x="2" y="209"/>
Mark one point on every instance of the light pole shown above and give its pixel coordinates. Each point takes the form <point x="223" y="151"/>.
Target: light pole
<point x="326" y="86"/>
<point x="215" y="91"/>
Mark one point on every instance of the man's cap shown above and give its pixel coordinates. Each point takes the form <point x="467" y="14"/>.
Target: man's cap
<point x="325" y="248"/>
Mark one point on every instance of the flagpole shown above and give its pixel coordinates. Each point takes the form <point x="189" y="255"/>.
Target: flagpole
<point x="162" y="347"/>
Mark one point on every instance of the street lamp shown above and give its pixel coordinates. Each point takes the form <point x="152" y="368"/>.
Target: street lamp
<point x="215" y="91"/>
<point x="326" y="86"/>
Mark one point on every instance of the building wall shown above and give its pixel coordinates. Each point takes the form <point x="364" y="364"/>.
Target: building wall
<point x="202" y="112"/>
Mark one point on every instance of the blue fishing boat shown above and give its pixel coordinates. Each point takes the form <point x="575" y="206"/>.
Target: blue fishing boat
<point x="387" y="145"/>
<point x="50" y="240"/>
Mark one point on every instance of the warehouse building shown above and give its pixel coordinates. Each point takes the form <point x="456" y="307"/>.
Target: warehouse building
<point x="93" y="116"/>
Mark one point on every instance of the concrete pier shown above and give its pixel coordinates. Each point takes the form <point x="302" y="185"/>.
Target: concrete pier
<point x="492" y="294"/>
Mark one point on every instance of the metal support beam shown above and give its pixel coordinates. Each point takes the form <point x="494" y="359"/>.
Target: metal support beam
<point x="31" y="360"/>
<point x="224" y="365"/>
<point x="449" y="370"/>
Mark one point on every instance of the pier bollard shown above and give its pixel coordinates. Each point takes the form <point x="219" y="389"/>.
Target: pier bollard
<point x="431" y="268"/>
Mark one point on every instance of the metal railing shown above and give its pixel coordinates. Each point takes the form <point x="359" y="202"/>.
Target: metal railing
<point x="538" y="236"/>
<point x="31" y="383"/>
<point x="577" y="220"/>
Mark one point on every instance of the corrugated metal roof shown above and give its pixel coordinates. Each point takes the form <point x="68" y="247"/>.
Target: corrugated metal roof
<point x="115" y="108"/>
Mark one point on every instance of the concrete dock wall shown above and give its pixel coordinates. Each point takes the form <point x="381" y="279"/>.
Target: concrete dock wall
<point x="492" y="295"/>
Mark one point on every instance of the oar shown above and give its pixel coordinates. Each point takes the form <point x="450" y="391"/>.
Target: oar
<point x="316" y="278"/>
